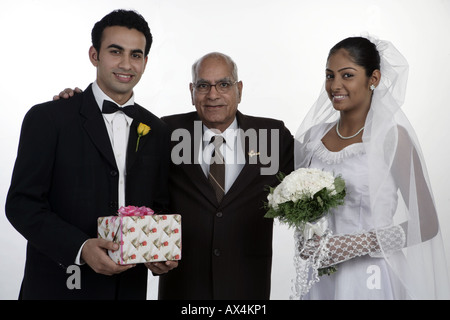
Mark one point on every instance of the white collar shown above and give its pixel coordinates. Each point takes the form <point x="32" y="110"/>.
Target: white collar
<point x="100" y="96"/>
<point x="229" y="135"/>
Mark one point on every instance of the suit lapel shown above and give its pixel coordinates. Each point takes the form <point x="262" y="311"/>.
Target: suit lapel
<point x="95" y="126"/>
<point x="133" y="136"/>
<point x="249" y="172"/>
<point x="132" y="141"/>
<point x="199" y="180"/>
<point x="193" y="169"/>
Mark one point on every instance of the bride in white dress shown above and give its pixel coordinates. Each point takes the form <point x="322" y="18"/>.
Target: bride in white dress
<point x="386" y="241"/>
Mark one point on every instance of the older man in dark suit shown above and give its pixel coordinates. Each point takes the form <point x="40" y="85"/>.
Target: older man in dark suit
<point x="220" y="189"/>
<point x="75" y="164"/>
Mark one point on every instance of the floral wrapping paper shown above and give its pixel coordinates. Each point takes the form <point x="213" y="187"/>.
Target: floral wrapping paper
<point x="142" y="239"/>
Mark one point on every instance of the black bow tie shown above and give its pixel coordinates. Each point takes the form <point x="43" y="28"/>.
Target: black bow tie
<point x="111" y="107"/>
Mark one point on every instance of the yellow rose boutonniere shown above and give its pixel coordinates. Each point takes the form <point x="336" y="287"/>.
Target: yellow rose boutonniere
<point x="142" y="130"/>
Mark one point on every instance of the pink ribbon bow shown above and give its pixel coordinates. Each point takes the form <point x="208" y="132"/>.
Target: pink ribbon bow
<point x="134" y="211"/>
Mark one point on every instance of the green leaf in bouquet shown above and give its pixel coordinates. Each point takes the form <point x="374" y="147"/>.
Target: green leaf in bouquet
<point x="320" y="201"/>
<point x="281" y="176"/>
<point x="339" y="185"/>
<point x="327" y="271"/>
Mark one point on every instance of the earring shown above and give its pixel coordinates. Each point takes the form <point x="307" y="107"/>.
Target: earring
<point x="372" y="87"/>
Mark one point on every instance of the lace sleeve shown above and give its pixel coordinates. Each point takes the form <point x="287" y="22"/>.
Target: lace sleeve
<point x="344" y="247"/>
<point x="389" y="240"/>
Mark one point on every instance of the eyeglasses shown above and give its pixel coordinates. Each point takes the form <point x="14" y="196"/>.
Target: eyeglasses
<point x="221" y="87"/>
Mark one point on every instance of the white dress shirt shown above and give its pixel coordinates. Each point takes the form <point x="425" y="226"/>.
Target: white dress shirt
<point x="118" y="127"/>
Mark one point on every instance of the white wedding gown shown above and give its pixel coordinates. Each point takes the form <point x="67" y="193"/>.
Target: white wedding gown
<point x="362" y="277"/>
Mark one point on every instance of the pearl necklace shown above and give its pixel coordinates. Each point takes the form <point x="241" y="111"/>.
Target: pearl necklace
<point x="346" y="138"/>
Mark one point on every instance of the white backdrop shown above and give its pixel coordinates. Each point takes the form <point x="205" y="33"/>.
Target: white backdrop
<point x="280" y="47"/>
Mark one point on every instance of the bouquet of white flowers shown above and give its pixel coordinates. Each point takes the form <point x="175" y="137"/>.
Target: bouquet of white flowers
<point x="304" y="196"/>
<point x="302" y="200"/>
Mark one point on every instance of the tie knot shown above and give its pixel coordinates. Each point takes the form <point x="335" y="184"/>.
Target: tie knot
<point x="111" y="107"/>
<point x="217" y="141"/>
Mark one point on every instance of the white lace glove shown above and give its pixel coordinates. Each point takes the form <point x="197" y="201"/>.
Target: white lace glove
<point x="348" y="246"/>
<point x="390" y="239"/>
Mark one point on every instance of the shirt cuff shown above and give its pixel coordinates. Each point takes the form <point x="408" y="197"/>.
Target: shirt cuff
<point x="78" y="260"/>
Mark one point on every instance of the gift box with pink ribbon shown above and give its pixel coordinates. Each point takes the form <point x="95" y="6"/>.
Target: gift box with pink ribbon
<point x="142" y="235"/>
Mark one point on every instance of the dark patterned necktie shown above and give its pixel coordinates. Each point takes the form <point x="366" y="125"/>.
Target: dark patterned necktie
<point x="111" y="107"/>
<point x="217" y="168"/>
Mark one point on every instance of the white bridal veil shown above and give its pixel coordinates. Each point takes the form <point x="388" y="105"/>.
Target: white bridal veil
<point x="394" y="154"/>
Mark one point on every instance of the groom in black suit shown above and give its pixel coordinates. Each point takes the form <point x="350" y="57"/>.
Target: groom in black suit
<point x="75" y="164"/>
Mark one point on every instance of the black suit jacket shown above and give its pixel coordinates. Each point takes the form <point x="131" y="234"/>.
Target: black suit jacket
<point x="65" y="177"/>
<point x="227" y="247"/>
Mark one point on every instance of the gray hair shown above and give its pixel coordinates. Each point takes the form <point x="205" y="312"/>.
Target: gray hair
<point x="216" y="55"/>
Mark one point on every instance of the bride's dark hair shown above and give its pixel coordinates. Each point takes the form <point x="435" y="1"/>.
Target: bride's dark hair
<point x="363" y="52"/>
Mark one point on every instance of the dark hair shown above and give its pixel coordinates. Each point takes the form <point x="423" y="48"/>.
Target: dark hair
<point x="363" y="52"/>
<point x="122" y="18"/>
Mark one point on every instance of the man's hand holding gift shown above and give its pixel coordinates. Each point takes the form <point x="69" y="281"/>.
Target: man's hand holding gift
<point x="161" y="267"/>
<point x="95" y="254"/>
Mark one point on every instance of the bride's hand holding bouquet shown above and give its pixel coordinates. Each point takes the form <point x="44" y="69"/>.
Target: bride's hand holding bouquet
<point x="303" y="200"/>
